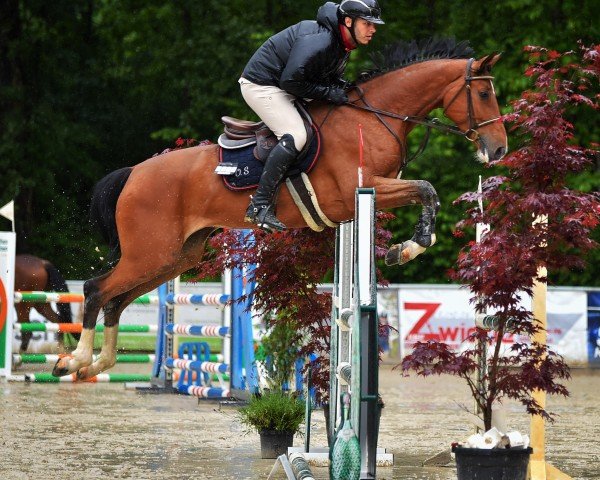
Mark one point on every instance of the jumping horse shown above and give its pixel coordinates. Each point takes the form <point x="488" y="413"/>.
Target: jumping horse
<point x="34" y="273"/>
<point x="159" y="213"/>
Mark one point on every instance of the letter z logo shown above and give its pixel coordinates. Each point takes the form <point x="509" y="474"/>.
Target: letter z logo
<point x="429" y="309"/>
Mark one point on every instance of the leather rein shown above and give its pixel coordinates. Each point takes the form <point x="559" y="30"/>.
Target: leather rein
<point x="470" y="134"/>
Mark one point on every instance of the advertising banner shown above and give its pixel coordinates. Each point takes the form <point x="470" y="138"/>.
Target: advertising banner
<point x="7" y="284"/>
<point x="445" y="314"/>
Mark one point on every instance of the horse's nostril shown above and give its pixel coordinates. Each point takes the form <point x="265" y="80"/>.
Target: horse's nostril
<point x="500" y="151"/>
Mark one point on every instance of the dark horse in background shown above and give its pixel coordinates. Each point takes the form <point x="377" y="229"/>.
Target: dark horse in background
<point x="33" y="273"/>
<point x="159" y="213"/>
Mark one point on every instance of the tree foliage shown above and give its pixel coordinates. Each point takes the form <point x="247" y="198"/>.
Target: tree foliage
<point x="537" y="222"/>
<point x="289" y="268"/>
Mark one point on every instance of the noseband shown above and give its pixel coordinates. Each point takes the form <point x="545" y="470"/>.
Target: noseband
<point x="471" y="134"/>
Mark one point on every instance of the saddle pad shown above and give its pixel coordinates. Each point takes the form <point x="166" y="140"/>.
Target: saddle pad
<point x="249" y="168"/>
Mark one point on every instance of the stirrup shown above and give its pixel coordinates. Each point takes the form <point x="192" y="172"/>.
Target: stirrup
<point x="263" y="218"/>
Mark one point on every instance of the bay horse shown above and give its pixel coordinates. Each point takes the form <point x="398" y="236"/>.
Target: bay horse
<point x="159" y="213"/>
<point x="34" y="273"/>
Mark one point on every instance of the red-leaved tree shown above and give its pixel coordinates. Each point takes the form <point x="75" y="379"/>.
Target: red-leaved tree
<point x="290" y="267"/>
<point x="533" y="184"/>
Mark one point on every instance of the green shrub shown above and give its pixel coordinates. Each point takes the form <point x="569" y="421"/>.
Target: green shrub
<point x="273" y="411"/>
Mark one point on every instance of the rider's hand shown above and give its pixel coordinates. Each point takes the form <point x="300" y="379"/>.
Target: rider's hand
<point x="337" y="96"/>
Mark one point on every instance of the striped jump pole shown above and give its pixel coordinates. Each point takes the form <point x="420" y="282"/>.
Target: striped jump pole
<point x="197" y="330"/>
<point x="197" y="299"/>
<point x="204" y="392"/>
<point x="100" y="378"/>
<point x="236" y="333"/>
<point x="44" y="358"/>
<point x="208" y="367"/>
<point x="77" y="328"/>
<point x="67" y="297"/>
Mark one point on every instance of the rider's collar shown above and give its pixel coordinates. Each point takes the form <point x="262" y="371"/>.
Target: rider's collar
<point x="346" y="38"/>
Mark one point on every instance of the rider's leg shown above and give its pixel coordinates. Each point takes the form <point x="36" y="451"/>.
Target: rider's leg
<point x="261" y="208"/>
<point x="275" y="107"/>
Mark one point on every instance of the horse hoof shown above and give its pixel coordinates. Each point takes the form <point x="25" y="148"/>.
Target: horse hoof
<point x="392" y="257"/>
<point x="82" y="374"/>
<point x="61" y="368"/>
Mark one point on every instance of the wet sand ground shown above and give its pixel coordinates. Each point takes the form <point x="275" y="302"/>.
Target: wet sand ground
<point x="102" y="431"/>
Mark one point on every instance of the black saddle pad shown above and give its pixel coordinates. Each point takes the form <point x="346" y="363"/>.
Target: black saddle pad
<point x="249" y="168"/>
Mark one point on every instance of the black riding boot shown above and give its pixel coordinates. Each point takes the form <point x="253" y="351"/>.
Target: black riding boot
<point x="261" y="208"/>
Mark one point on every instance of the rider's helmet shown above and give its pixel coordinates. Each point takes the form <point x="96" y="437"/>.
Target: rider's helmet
<point x="368" y="10"/>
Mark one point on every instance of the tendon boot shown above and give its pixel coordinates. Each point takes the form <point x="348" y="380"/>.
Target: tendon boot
<point x="261" y="208"/>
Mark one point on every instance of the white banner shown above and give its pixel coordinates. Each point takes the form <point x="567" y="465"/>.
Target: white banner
<point x="445" y="314"/>
<point x="7" y="284"/>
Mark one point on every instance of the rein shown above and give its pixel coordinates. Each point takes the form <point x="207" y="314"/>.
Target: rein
<point x="471" y="134"/>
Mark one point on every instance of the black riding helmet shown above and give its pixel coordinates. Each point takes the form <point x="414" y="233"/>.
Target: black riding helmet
<point x="368" y="10"/>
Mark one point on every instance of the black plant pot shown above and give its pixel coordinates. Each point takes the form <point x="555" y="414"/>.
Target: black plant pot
<point x="494" y="464"/>
<point x="274" y="443"/>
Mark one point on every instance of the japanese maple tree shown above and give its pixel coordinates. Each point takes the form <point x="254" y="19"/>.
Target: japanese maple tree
<point x="533" y="184"/>
<point x="290" y="266"/>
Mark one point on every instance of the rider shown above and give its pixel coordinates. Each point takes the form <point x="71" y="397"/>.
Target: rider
<point x="305" y="60"/>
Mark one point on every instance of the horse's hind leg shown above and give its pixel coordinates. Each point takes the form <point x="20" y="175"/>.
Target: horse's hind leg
<point x="82" y="356"/>
<point x="112" y="313"/>
<point x="108" y="354"/>
<point x="191" y="254"/>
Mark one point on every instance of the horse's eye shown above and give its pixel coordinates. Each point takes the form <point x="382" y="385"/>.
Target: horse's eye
<point x="484" y="94"/>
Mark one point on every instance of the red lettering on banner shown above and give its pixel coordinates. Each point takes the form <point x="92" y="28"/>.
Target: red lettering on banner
<point x="448" y="333"/>
<point x="430" y="309"/>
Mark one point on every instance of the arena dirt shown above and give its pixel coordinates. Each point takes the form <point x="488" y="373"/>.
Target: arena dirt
<point x="102" y="431"/>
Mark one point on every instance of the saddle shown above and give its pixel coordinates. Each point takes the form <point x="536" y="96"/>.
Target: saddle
<point x="239" y="133"/>
<point x="240" y="165"/>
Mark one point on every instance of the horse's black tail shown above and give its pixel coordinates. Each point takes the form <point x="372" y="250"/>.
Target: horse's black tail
<point x="103" y="207"/>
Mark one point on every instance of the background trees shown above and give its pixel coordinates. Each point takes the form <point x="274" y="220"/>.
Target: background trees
<point x="90" y="86"/>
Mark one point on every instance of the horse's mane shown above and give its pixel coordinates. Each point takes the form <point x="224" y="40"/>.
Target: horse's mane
<point x="401" y="54"/>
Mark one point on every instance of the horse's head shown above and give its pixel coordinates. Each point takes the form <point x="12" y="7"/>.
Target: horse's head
<point x="470" y="102"/>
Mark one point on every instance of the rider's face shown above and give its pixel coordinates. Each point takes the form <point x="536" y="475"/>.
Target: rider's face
<point x="363" y="30"/>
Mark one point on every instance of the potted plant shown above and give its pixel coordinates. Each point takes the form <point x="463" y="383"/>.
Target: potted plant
<point x="277" y="413"/>
<point x="537" y="222"/>
<point x="276" y="416"/>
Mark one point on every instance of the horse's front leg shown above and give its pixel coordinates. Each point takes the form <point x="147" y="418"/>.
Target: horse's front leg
<point x="393" y="193"/>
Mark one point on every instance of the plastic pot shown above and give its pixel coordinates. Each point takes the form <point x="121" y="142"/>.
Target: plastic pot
<point x="494" y="464"/>
<point x="274" y="443"/>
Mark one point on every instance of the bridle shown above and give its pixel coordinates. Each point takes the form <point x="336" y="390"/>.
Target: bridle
<point x="470" y="134"/>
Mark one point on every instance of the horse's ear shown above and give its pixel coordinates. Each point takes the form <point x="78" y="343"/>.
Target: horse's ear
<point x="484" y="65"/>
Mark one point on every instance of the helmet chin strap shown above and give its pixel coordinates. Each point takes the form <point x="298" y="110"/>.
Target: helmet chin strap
<point x="351" y="28"/>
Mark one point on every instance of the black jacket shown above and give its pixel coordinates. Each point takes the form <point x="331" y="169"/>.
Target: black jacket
<point x="306" y="59"/>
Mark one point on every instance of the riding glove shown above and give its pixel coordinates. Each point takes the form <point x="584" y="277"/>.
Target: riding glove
<point x="337" y="96"/>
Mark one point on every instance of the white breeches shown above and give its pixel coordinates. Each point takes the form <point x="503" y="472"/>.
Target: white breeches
<point x="276" y="108"/>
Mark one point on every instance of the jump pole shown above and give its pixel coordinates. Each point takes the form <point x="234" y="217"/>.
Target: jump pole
<point x="354" y="355"/>
<point x="236" y="332"/>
